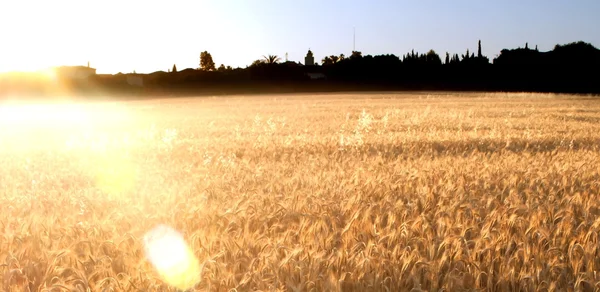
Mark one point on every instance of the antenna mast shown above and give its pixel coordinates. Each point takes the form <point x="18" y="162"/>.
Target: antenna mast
<point x="354" y="40"/>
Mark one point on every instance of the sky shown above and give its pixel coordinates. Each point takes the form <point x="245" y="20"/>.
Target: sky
<point x="148" y="36"/>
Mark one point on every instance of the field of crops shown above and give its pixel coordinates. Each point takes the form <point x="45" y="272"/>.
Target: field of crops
<point x="346" y="192"/>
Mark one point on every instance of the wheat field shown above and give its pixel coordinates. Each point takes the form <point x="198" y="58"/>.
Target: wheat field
<point x="333" y="192"/>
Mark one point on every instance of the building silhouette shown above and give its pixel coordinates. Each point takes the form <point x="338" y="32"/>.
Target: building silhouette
<point x="309" y="60"/>
<point x="75" y="72"/>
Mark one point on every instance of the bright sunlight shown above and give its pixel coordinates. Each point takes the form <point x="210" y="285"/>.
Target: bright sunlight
<point x="81" y="32"/>
<point x="48" y="115"/>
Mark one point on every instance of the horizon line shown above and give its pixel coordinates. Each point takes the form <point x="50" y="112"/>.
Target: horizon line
<point x="239" y="67"/>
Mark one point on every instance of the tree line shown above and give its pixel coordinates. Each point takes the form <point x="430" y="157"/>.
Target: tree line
<point x="572" y="67"/>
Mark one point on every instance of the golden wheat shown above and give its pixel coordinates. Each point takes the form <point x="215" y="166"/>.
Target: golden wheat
<point x="364" y="192"/>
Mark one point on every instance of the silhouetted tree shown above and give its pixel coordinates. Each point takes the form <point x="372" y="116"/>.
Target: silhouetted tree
<point x="455" y="59"/>
<point x="257" y="63"/>
<point x="206" y="61"/>
<point x="342" y="57"/>
<point x="479" y="55"/>
<point x="229" y="68"/>
<point x="174" y="70"/>
<point x="447" y="58"/>
<point x="433" y="58"/>
<point x="221" y="68"/>
<point x="356" y="54"/>
<point x="466" y="56"/>
<point x="271" y="59"/>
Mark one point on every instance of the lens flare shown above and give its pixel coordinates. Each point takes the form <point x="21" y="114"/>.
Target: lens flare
<point x="166" y="249"/>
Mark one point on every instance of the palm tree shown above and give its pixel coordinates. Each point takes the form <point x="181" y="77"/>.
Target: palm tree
<point x="272" y="59"/>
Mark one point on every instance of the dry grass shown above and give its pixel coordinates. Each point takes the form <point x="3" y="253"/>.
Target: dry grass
<point x="497" y="192"/>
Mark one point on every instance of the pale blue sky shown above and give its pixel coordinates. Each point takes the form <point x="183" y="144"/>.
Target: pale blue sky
<point x="147" y="36"/>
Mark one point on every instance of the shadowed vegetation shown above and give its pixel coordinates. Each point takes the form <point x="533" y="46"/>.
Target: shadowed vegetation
<point x="569" y="68"/>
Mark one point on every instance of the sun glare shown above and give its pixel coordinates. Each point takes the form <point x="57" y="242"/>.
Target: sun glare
<point x="26" y="126"/>
<point x="48" y="74"/>
<point x="61" y="114"/>
<point x="39" y="114"/>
